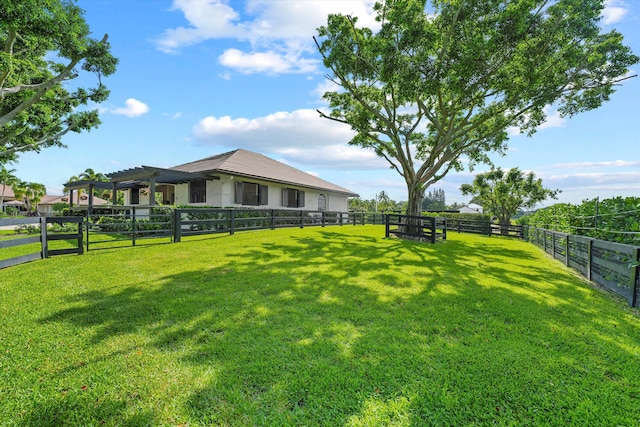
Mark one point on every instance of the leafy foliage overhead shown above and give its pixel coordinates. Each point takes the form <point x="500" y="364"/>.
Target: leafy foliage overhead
<point x="43" y="46"/>
<point x="441" y="82"/>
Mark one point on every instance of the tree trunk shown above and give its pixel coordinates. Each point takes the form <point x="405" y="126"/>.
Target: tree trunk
<point x="414" y="208"/>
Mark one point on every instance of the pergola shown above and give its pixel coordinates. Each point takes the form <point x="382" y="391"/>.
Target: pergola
<point x="134" y="177"/>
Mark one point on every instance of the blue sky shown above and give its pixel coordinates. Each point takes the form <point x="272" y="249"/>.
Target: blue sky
<point x="201" y="77"/>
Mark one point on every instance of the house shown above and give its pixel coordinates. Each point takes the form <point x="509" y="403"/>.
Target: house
<point x="46" y="206"/>
<point x="471" y="208"/>
<point x="238" y="178"/>
<point x="9" y="196"/>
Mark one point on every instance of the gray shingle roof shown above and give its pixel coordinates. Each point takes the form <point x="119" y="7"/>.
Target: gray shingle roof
<point x="254" y="165"/>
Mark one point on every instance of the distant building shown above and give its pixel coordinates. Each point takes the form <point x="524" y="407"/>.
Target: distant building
<point x="471" y="208"/>
<point x="47" y="203"/>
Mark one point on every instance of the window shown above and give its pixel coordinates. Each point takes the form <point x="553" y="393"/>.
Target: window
<point x="198" y="191"/>
<point x="251" y="194"/>
<point x="322" y="202"/>
<point x="135" y="196"/>
<point x="292" y="198"/>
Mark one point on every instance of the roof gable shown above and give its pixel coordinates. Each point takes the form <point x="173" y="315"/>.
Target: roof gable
<point x="254" y="165"/>
<point x="8" y="192"/>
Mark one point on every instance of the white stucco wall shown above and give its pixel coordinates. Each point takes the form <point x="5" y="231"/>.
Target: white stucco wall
<point x="221" y="193"/>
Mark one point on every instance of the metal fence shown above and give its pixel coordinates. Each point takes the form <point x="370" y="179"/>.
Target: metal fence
<point x="611" y="265"/>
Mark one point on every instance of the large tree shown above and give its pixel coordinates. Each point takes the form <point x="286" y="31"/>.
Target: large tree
<point x="45" y="44"/>
<point x="439" y="84"/>
<point x="503" y="193"/>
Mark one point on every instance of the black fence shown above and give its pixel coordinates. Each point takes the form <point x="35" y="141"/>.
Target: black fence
<point x="422" y="228"/>
<point x="484" y="227"/>
<point x="126" y="225"/>
<point x="611" y="265"/>
<point x="469" y="226"/>
<point x="199" y="221"/>
<point x="31" y="238"/>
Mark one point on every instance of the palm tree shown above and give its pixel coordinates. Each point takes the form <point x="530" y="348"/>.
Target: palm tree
<point x="7" y="178"/>
<point x="90" y="175"/>
<point x="31" y="193"/>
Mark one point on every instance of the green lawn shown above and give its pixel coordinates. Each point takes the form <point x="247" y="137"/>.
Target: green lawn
<point x="333" y="326"/>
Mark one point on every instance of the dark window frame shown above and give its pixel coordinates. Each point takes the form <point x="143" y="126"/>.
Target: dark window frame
<point x="198" y="191"/>
<point x="324" y="202"/>
<point x="293" y="198"/>
<point x="259" y="197"/>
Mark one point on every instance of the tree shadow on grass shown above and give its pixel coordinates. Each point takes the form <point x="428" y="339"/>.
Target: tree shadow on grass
<point x="336" y="330"/>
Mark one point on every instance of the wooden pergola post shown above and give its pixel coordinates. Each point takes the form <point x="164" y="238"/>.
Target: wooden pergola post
<point x="114" y="193"/>
<point x="152" y="190"/>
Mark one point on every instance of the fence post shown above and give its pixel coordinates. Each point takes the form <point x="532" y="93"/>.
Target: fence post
<point x="177" y="226"/>
<point x="87" y="224"/>
<point x="301" y="219"/>
<point x="386" y="225"/>
<point x="553" y="244"/>
<point x="323" y="218"/>
<point x="566" y="250"/>
<point x="43" y="238"/>
<point x="634" y="276"/>
<point x="589" y="258"/>
<point x="341" y="220"/>
<point x="80" y="242"/>
<point x="232" y="225"/>
<point x="432" y="220"/>
<point x="133" y="226"/>
<point x="273" y="219"/>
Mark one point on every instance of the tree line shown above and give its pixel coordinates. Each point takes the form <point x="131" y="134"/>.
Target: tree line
<point x="30" y="194"/>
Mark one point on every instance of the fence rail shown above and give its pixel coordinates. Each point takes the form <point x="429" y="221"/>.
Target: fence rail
<point x="609" y="264"/>
<point x="507" y="230"/>
<point x="424" y="228"/>
<point x="35" y="244"/>
<point x="468" y="226"/>
<point x="199" y="221"/>
<point x="117" y="225"/>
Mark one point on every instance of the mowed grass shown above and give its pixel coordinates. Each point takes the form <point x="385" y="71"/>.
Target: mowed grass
<point x="314" y="327"/>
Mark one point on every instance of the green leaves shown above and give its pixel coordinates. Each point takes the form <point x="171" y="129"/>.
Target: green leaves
<point x="436" y="86"/>
<point x="35" y="109"/>
<point x="503" y="193"/>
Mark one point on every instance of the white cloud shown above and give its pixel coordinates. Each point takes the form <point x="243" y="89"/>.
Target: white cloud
<point x="134" y="108"/>
<point x="278" y="32"/>
<point x="323" y="87"/>
<point x="614" y="11"/>
<point x="587" y="180"/>
<point x="208" y="19"/>
<point x="269" y="62"/>
<point x="553" y="121"/>
<point x="300" y="137"/>
<point x="602" y="164"/>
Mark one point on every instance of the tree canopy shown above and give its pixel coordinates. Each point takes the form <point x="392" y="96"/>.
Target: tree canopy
<point x="44" y="44"/>
<point x="503" y="193"/>
<point x="30" y="193"/>
<point x="7" y="179"/>
<point x="439" y="84"/>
